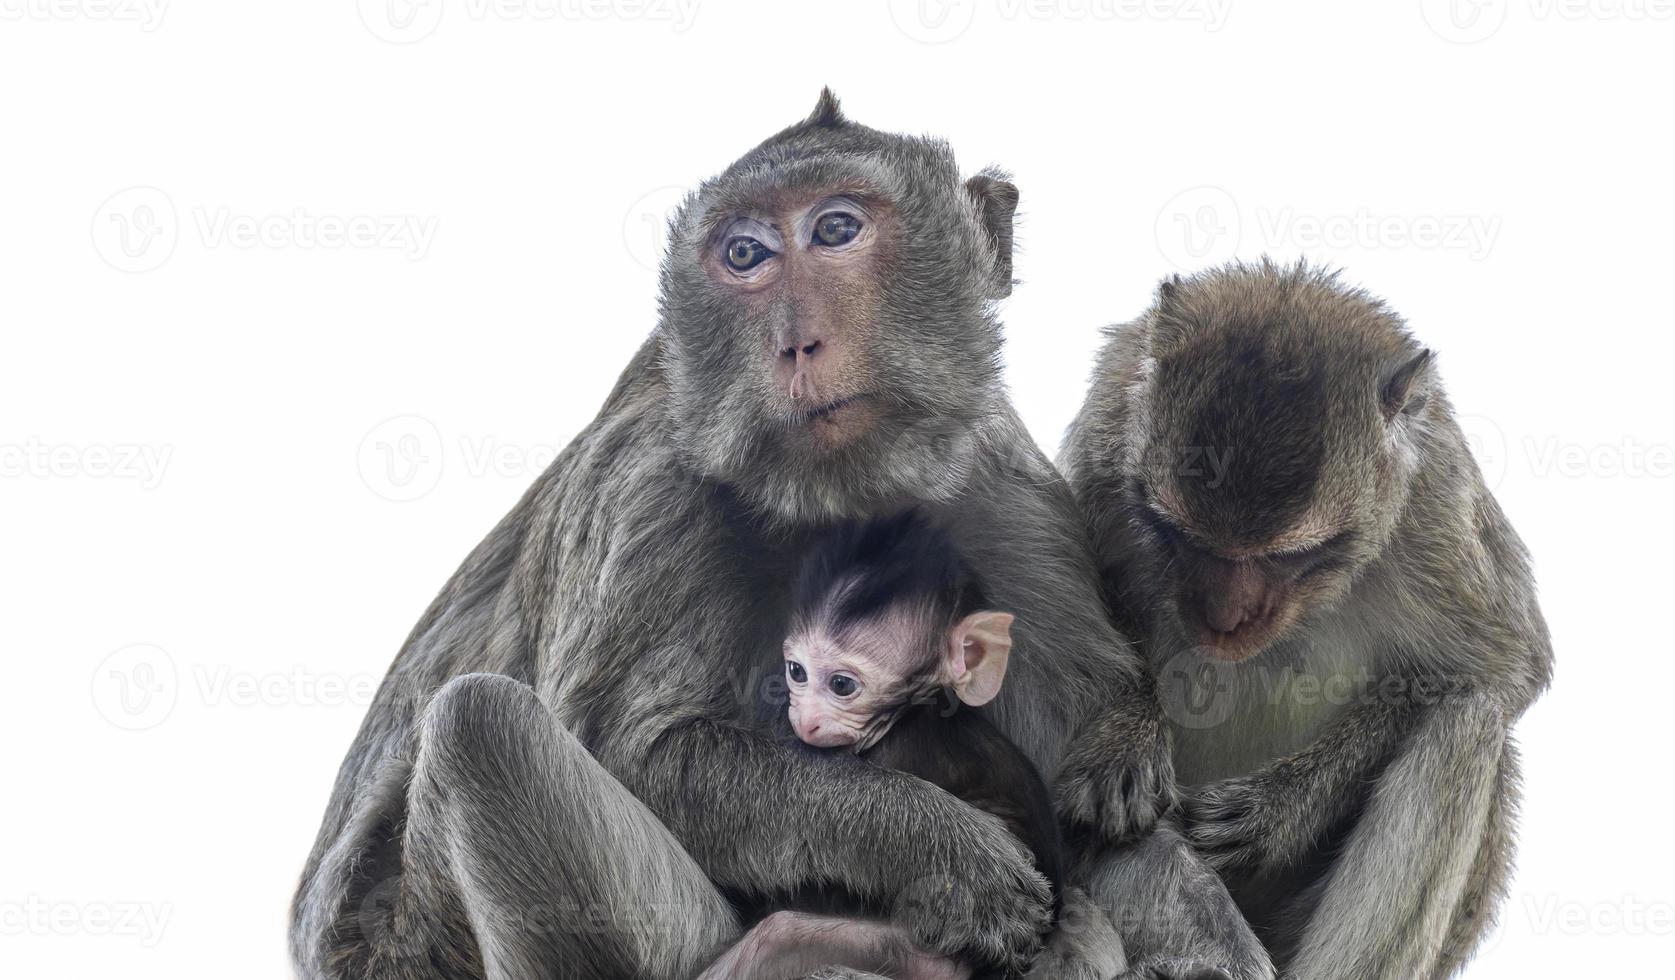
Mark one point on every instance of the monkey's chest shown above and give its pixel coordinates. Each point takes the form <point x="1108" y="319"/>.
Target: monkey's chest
<point x="1230" y="720"/>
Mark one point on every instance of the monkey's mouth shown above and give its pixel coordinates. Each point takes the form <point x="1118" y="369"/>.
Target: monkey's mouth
<point x="831" y="408"/>
<point x="836" y="424"/>
<point x="1244" y="641"/>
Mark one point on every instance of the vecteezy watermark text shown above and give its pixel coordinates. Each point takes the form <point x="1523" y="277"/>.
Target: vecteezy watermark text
<point x="35" y="459"/>
<point x="148" y="14"/>
<point x="36" y="916"/>
<point x="407" y="21"/>
<point x="1207" y="224"/>
<point x="137" y="228"/>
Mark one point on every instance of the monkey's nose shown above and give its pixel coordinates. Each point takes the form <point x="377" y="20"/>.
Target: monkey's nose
<point x="805" y="349"/>
<point x="1225" y="617"/>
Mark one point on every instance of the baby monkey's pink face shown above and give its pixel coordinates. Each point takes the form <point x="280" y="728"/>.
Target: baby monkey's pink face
<point x="838" y="685"/>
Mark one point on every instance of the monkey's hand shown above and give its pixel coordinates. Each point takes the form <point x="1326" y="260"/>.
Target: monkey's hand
<point x="991" y="907"/>
<point x="1118" y="778"/>
<point x="1247" y="824"/>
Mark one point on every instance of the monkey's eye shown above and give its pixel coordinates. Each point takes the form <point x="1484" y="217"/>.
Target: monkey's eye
<point x="745" y="253"/>
<point x="843" y="685"/>
<point x="1164" y="530"/>
<point x="796" y="672"/>
<point x="836" y="228"/>
<point x="1311" y="561"/>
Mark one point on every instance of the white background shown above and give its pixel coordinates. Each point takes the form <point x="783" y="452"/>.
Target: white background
<point x="214" y="539"/>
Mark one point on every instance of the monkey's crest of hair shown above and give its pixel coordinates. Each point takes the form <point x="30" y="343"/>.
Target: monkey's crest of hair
<point x="923" y="352"/>
<point x="860" y="569"/>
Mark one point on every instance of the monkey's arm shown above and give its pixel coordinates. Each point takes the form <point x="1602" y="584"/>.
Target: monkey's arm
<point x="1274" y="817"/>
<point x="1080" y="681"/>
<point x="1418" y="854"/>
<point x="761" y="819"/>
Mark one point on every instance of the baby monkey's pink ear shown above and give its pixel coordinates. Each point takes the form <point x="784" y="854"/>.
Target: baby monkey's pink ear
<point x="978" y="648"/>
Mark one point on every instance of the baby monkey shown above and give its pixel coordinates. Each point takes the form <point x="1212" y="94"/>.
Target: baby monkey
<point x="890" y="649"/>
<point x="891" y="641"/>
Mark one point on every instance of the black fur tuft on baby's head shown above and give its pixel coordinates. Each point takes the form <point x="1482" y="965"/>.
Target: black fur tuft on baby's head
<point x="861" y="569"/>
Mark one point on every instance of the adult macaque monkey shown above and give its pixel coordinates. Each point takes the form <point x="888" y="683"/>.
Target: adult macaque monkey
<point x="567" y="772"/>
<point x="1343" y="622"/>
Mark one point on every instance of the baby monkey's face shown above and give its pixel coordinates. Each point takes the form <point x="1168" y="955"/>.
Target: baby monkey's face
<point x="840" y="684"/>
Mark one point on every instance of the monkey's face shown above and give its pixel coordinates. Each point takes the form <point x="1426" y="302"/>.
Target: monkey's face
<point x="827" y="330"/>
<point x="1273" y="458"/>
<point x="839" y="687"/>
<point x="807" y="267"/>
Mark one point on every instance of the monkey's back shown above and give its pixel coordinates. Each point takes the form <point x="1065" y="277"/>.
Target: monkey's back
<point x="966" y="755"/>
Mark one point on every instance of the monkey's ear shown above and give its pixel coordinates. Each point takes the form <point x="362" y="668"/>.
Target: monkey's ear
<point x="827" y="112"/>
<point x="997" y="200"/>
<point x="978" y="649"/>
<point x="1168" y="292"/>
<point x="1408" y="388"/>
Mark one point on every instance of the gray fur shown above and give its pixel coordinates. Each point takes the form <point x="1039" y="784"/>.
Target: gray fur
<point x="1366" y="833"/>
<point x="568" y="763"/>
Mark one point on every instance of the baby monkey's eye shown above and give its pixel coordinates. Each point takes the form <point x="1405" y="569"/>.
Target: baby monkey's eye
<point x="836" y="228"/>
<point x="745" y="253"/>
<point x="797" y="673"/>
<point x="843" y="685"/>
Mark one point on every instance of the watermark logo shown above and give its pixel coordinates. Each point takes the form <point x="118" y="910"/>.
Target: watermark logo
<point x="1197" y="690"/>
<point x="941" y="21"/>
<point x="408" y="21"/>
<point x="1198" y="226"/>
<point x="401" y="21"/>
<point x="400" y="458"/>
<point x="138" y="228"/>
<point x="1464" y="21"/>
<point x="404" y="458"/>
<point x="1487" y="444"/>
<point x="1206" y="225"/>
<point x="139" y="686"/>
<point x="135" y="229"/>
<point x="939" y="456"/>
<point x="933" y="21"/>
<point x="1471" y="21"/>
<point x="1544" y="457"/>
<point x="136" y="687"/>
<point x="645" y="228"/>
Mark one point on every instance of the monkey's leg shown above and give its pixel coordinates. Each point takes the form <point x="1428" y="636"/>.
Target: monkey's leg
<point x="558" y="870"/>
<point x="1391" y="899"/>
<point x="1486" y="883"/>
<point x="788" y="945"/>
<point x="1176" y="918"/>
<point x="1085" y="944"/>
